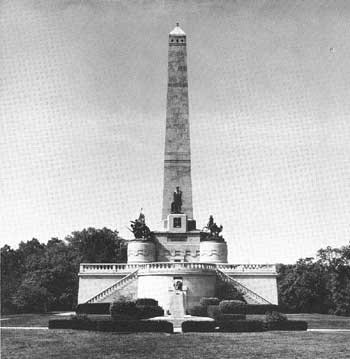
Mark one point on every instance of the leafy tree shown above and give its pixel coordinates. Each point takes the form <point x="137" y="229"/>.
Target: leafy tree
<point x="40" y="277"/>
<point x="98" y="245"/>
<point x="302" y="287"/>
<point x="11" y="276"/>
<point x="336" y="262"/>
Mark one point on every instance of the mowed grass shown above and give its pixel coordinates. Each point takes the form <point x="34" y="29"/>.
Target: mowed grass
<point x="83" y="344"/>
<point x="315" y="321"/>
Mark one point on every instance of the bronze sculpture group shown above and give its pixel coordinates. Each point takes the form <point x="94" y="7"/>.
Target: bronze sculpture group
<point x="140" y="229"/>
<point x="211" y="232"/>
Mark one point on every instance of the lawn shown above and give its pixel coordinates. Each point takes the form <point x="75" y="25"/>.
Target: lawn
<point x="82" y="344"/>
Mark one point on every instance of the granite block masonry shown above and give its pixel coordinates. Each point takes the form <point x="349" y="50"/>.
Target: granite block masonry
<point x="177" y="159"/>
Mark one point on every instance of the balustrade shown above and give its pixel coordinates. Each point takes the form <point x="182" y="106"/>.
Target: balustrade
<point x="88" y="268"/>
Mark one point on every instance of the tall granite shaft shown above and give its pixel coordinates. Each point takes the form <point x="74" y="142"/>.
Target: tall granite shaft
<point x="177" y="159"/>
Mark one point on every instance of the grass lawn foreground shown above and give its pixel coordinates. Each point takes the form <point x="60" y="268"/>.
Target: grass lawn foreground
<point x="86" y="344"/>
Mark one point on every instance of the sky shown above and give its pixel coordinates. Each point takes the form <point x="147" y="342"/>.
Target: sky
<point x="82" y="115"/>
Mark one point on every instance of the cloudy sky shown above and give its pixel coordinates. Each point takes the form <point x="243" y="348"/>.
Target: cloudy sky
<point x="82" y="111"/>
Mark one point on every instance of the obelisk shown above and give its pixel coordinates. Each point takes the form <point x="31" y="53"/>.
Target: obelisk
<point x="177" y="159"/>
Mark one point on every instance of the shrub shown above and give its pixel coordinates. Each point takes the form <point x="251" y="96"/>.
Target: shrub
<point x="229" y="317"/>
<point x="202" y="326"/>
<point x="136" y="326"/>
<point x="260" y="308"/>
<point x="205" y="301"/>
<point x="213" y="311"/>
<point x="113" y="326"/>
<point x="232" y="307"/>
<point x="93" y="308"/>
<point x="242" y="326"/>
<point x="227" y="291"/>
<point x="273" y="317"/>
<point x="123" y="309"/>
<point x="287" y="325"/>
<point x="147" y="301"/>
<point x="85" y="324"/>
<point x="147" y="311"/>
<point x="198" y="311"/>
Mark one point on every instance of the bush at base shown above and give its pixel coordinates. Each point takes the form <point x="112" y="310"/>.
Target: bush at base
<point x="198" y="311"/>
<point x="287" y="325"/>
<point x="85" y="324"/>
<point x="229" y="317"/>
<point x="194" y="326"/>
<point x="242" y="326"/>
<point x="128" y="310"/>
<point x="131" y="326"/>
<point x="213" y="311"/>
<point x="147" y="301"/>
<point x="93" y="308"/>
<point x="134" y="326"/>
<point x="260" y="308"/>
<point x="147" y="311"/>
<point x="123" y="308"/>
<point x="272" y="317"/>
<point x="205" y="301"/>
<point x="232" y="307"/>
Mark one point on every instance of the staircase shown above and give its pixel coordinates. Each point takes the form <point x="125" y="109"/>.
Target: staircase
<point x="249" y="296"/>
<point x="113" y="288"/>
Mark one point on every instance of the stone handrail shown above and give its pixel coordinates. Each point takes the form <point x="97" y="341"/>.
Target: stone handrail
<point x="171" y="266"/>
<point x="107" y="267"/>
<point x="247" y="267"/>
<point x="109" y="290"/>
<point x="87" y="268"/>
<point x="253" y="298"/>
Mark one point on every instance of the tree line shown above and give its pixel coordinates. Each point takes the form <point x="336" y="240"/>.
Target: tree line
<point x="40" y="277"/>
<point x="316" y="285"/>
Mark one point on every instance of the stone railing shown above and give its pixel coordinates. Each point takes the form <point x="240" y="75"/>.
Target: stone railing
<point x="250" y="296"/>
<point x="106" y="292"/>
<point x="124" y="268"/>
<point x="87" y="268"/>
<point x="176" y="266"/>
<point x="271" y="268"/>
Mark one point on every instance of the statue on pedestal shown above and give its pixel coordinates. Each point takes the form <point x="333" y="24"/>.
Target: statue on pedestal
<point x="212" y="231"/>
<point x="177" y="203"/>
<point x="140" y="229"/>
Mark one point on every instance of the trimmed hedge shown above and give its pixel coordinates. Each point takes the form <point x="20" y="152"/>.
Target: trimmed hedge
<point x="147" y="301"/>
<point x="232" y="307"/>
<point x="287" y="325"/>
<point x="134" y="326"/>
<point x="242" y="326"/>
<point x="93" y="308"/>
<point x="123" y="308"/>
<point x="147" y="311"/>
<point x="131" y="326"/>
<point x="205" y="301"/>
<point x="201" y="326"/>
<point x="213" y="311"/>
<point x="260" y="308"/>
<point x="275" y="317"/>
<point x="85" y="324"/>
<point x="198" y="311"/>
<point x="129" y="310"/>
<point x="229" y="317"/>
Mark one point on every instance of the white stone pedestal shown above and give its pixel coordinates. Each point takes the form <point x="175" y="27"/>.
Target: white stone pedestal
<point x="177" y="303"/>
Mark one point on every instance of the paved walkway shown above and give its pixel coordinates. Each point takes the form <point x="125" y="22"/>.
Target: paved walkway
<point x="329" y="330"/>
<point x="25" y="328"/>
